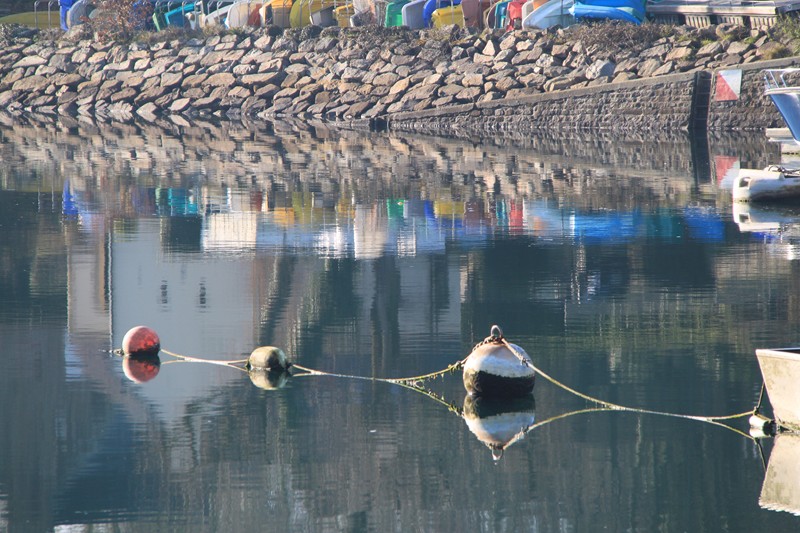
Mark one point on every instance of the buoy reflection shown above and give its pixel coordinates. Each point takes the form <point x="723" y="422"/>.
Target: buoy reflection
<point x="141" y="368"/>
<point x="499" y="423"/>
<point x="269" y="379"/>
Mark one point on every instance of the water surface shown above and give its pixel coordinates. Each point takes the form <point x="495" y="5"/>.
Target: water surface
<point x="619" y="264"/>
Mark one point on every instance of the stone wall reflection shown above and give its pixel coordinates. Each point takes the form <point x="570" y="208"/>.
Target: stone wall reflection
<point x="339" y="166"/>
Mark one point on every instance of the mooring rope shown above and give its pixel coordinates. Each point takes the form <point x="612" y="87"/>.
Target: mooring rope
<point x="413" y="380"/>
<point x="618" y="407"/>
<point x="220" y="362"/>
<point x="495" y="337"/>
<point x="412" y="383"/>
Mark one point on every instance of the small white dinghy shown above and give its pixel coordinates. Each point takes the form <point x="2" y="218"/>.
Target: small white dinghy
<point x="780" y="369"/>
<point x="772" y="183"/>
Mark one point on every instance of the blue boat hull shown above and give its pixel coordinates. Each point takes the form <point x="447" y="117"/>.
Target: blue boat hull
<point x="629" y="11"/>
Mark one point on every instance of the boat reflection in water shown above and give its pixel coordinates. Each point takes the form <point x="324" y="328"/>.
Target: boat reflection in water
<point x="778" y="225"/>
<point x="499" y="423"/>
<point x="780" y="369"/>
<point x="781" y="488"/>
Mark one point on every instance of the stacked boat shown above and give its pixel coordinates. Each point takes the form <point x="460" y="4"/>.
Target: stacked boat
<point x="539" y="14"/>
<point x="624" y="10"/>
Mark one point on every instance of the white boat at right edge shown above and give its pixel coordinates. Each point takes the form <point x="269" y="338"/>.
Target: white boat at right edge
<point x="783" y="87"/>
<point x="776" y="182"/>
<point x="780" y="369"/>
<point x="772" y="183"/>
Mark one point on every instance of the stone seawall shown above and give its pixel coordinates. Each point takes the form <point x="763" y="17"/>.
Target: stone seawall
<point x="446" y="81"/>
<point x="752" y="110"/>
<point x="681" y="102"/>
<point x="662" y="103"/>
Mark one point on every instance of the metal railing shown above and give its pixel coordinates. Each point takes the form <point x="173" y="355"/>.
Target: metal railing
<point x="50" y="4"/>
<point x="776" y="79"/>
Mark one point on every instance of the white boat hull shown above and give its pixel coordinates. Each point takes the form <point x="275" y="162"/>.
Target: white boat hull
<point x="781" y="371"/>
<point x="772" y="183"/>
<point x="550" y="14"/>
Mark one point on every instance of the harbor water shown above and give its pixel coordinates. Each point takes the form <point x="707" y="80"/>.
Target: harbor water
<point x="620" y="265"/>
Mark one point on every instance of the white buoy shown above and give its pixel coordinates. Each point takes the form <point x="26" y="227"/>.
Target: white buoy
<point x="268" y="358"/>
<point x="497" y="368"/>
<point x="761" y="426"/>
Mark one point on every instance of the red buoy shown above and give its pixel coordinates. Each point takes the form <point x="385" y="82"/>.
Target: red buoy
<point x="141" y="340"/>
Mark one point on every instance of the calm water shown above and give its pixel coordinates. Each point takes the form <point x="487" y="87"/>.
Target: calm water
<point x="618" y="264"/>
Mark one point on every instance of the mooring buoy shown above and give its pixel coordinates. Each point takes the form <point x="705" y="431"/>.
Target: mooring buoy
<point x="141" y="340"/>
<point x="497" y="368"/>
<point x="268" y="358"/>
<point x="761" y="426"/>
<point x="141" y="368"/>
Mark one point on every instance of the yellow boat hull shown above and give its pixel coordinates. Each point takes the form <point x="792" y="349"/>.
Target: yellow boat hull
<point x="300" y="15"/>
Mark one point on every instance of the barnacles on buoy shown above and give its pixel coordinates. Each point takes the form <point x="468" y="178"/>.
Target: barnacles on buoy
<point x="497" y="368"/>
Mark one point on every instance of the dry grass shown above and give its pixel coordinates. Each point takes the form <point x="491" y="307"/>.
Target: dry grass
<point x="612" y="37"/>
<point x="119" y="20"/>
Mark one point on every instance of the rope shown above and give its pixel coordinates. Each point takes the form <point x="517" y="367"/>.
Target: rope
<point x="760" y="398"/>
<point x="617" y="407"/>
<point x="495" y="337"/>
<point x="412" y="381"/>
<point x="524" y="431"/>
<point x="188" y="359"/>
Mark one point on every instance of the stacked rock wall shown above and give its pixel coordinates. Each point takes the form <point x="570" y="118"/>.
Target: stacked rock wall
<point x="445" y="81"/>
<point x="663" y="103"/>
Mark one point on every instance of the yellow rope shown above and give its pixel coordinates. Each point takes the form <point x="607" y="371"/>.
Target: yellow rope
<point x="400" y="381"/>
<point x="617" y="407"/>
<point x="413" y="382"/>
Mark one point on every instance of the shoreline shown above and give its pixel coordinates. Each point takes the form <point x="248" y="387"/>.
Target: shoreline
<point x="448" y="81"/>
